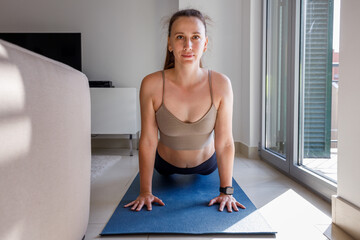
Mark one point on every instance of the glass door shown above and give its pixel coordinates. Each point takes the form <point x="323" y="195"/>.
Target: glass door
<point x="319" y="58"/>
<point x="275" y="89"/>
<point x="298" y="124"/>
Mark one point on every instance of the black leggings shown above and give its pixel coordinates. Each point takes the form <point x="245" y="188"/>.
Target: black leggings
<point x="165" y="168"/>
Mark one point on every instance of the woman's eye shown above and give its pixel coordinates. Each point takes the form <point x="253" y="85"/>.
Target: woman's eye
<point x="196" y="37"/>
<point x="179" y="37"/>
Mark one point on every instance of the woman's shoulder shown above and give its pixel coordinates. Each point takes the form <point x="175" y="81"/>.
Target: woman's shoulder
<point x="220" y="82"/>
<point x="152" y="77"/>
<point x="221" y="88"/>
<point x="152" y="81"/>
<point x="151" y="85"/>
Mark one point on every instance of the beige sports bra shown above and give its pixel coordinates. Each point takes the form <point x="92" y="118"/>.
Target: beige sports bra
<point x="180" y="135"/>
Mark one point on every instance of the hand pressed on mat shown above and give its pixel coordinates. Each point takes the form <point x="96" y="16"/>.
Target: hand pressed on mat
<point x="144" y="199"/>
<point x="226" y="200"/>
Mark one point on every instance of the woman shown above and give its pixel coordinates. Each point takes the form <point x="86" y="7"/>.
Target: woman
<point x="187" y="103"/>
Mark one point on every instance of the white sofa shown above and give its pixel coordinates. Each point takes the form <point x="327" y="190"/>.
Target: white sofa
<point x="45" y="154"/>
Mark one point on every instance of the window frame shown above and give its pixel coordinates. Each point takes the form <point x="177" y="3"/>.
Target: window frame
<point x="290" y="165"/>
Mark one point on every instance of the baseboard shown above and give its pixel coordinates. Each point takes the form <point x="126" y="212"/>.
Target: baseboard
<point x="248" y="152"/>
<point x="115" y="141"/>
<point x="346" y="216"/>
<point x="333" y="232"/>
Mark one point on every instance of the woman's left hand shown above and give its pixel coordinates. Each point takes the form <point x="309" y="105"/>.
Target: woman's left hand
<point x="226" y="200"/>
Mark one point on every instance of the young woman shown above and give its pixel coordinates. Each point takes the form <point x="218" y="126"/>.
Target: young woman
<point x="187" y="104"/>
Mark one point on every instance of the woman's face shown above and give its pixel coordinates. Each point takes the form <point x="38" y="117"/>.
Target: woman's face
<point x="187" y="40"/>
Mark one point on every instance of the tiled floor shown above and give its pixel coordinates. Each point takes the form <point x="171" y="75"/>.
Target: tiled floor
<point x="289" y="208"/>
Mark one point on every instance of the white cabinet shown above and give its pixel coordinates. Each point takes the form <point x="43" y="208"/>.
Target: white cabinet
<point x="115" y="111"/>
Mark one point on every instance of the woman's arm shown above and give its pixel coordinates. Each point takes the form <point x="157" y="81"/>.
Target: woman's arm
<point x="149" y="135"/>
<point x="147" y="145"/>
<point x="224" y="142"/>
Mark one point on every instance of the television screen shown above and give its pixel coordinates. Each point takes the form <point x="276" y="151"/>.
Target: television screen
<point x="63" y="47"/>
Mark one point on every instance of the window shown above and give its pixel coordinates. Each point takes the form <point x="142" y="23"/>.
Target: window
<point x="319" y="87"/>
<point x="299" y="100"/>
<point x="276" y="77"/>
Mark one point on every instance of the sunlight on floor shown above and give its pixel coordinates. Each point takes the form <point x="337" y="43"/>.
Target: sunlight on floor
<point x="290" y="212"/>
<point x="287" y="202"/>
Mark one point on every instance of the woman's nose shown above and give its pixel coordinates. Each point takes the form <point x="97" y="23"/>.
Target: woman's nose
<point x="187" y="44"/>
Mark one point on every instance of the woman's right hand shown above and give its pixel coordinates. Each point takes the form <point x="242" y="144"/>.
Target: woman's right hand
<point x="144" y="199"/>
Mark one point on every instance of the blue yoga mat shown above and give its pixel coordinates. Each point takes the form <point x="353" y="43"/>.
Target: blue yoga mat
<point x="186" y="209"/>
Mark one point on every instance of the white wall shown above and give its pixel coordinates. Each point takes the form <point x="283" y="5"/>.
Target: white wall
<point x="125" y="40"/>
<point x="256" y="11"/>
<point x="346" y="205"/>
<point x="349" y="99"/>
<point x="122" y="40"/>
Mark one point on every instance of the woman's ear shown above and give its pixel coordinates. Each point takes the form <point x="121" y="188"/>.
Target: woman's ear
<point x="169" y="47"/>
<point x="206" y="44"/>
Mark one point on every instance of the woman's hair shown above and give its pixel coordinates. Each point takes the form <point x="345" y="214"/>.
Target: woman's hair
<point x="170" y="60"/>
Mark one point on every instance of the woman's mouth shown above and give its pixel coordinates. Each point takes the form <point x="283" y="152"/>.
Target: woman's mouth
<point x="187" y="55"/>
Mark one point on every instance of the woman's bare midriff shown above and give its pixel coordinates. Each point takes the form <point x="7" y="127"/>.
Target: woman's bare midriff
<point x="186" y="158"/>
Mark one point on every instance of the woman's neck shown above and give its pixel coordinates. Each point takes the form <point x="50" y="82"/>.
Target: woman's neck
<point x="187" y="75"/>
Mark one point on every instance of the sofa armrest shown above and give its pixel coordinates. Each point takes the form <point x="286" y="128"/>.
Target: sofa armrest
<point x="45" y="147"/>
